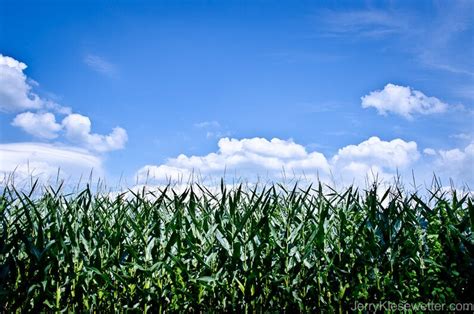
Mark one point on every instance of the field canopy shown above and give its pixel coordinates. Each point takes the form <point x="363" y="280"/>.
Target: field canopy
<point x="233" y="248"/>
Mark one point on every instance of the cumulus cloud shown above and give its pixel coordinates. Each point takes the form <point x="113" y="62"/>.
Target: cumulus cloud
<point x="26" y="160"/>
<point x="15" y="91"/>
<point x="258" y="157"/>
<point x="41" y="125"/>
<point x="402" y="100"/>
<point x="247" y="158"/>
<point x="78" y="129"/>
<point x="456" y="163"/>
<point x="392" y="154"/>
<point x="374" y="156"/>
<point x="429" y="151"/>
<point x="16" y="95"/>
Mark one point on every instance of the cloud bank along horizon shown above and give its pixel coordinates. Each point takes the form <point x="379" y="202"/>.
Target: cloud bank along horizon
<point x="63" y="139"/>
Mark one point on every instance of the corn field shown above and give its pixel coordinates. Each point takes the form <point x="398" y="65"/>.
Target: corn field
<point x="238" y="249"/>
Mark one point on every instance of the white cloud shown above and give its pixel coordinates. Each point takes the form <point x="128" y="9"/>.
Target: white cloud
<point x="16" y="89"/>
<point x="462" y="136"/>
<point x="403" y="101"/>
<point x="207" y="124"/>
<point x="41" y="125"/>
<point x="213" y="129"/>
<point x="49" y="105"/>
<point x="392" y="154"/>
<point x="217" y="134"/>
<point x="15" y="92"/>
<point x="246" y="158"/>
<point x="261" y="146"/>
<point x="28" y="160"/>
<point x="457" y="164"/>
<point x="164" y="173"/>
<point x="16" y="95"/>
<point x="78" y="130"/>
<point x="256" y="158"/>
<point x="363" y="23"/>
<point x="101" y="65"/>
<point x="432" y="42"/>
<point x="374" y="156"/>
<point x="429" y="151"/>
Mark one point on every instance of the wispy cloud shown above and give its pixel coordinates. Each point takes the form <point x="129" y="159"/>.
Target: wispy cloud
<point x="207" y="124"/>
<point x="462" y="136"/>
<point x="430" y="42"/>
<point x="217" y="134"/>
<point x="324" y="107"/>
<point x="363" y="23"/>
<point x="465" y="91"/>
<point x="213" y="129"/>
<point x="101" y="65"/>
<point x="452" y="21"/>
<point x="295" y="56"/>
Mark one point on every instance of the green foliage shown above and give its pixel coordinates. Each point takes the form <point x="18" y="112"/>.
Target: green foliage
<point x="236" y="250"/>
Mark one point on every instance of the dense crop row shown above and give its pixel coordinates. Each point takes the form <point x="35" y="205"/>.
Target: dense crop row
<point x="238" y="249"/>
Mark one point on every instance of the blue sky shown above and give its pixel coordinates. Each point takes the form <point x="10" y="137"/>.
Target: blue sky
<point x="177" y="77"/>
